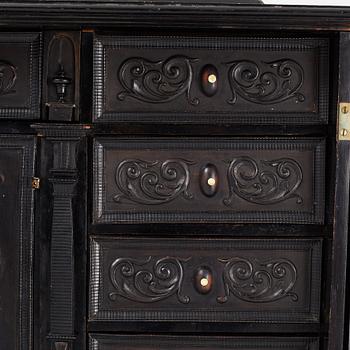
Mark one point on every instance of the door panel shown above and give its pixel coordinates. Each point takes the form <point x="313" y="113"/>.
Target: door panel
<point x="16" y="241"/>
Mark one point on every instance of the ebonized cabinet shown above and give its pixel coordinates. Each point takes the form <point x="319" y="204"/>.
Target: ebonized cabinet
<point x="173" y="176"/>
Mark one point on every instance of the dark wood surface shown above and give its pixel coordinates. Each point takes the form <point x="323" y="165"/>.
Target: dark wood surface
<point x="176" y="14"/>
<point x="89" y="211"/>
<point x="109" y="342"/>
<point x="338" y="337"/>
<point x="16" y="241"/>
<point x="160" y="279"/>
<point x="20" y="66"/>
<point x="165" y="79"/>
<point x="165" y="180"/>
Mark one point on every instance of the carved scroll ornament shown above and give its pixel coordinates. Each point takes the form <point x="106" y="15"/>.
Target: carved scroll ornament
<point x="264" y="182"/>
<point x="258" y="282"/>
<point x="156" y="82"/>
<point x="267" y="82"/>
<point x="147" y="280"/>
<point x="8" y="77"/>
<point x="152" y="183"/>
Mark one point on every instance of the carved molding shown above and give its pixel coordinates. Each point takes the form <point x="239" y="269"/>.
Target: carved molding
<point x="266" y="82"/>
<point x="264" y="182"/>
<point x="8" y="77"/>
<point x="61" y="345"/>
<point x="157" y="82"/>
<point x="258" y="282"/>
<point x="60" y="53"/>
<point x="189" y="342"/>
<point x="260" y="182"/>
<point x="147" y="280"/>
<point x="63" y="144"/>
<point x="61" y="75"/>
<point x="153" y="183"/>
<point x="165" y="80"/>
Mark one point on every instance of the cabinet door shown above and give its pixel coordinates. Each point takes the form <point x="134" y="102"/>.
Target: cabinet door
<point x="16" y="241"/>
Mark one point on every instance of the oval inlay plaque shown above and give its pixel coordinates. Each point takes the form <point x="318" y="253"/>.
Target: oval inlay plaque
<point x="203" y="280"/>
<point x="209" y="77"/>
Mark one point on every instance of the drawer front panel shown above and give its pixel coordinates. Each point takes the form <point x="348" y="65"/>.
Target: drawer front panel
<point x="20" y="75"/>
<point x="136" y="342"/>
<point x="200" y="79"/>
<point x="205" y="280"/>
<point x="206" y="180"/>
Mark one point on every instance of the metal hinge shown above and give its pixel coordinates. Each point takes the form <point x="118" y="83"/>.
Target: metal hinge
<point x="35" y="183"/>
<point x="344" y="121"/>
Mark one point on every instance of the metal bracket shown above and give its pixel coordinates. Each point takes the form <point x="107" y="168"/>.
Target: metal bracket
<point x="35" y="183"/>
<point x="344" y="121"/>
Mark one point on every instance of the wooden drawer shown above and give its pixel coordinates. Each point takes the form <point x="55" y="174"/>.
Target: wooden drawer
<point x="208" y="180"/>
<point x="235" y="280"/>
<point x="20" y="75"/>
<point x="210" y="79"/>
<point x="138" y="342"/>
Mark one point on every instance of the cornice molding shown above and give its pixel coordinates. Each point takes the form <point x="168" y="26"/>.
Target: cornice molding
<point x="180" y="14"/>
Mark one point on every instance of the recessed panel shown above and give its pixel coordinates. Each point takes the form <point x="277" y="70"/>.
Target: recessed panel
<point x="238" y="280"/>
<point x="276" y="180"/>
<point x="20" y="75"/>
<point x="210" y="79"/>
<point x="16" y="241"/>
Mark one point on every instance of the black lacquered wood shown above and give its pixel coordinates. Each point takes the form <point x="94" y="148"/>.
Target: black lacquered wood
<point x="180" y="14"/>
<point x="109" y="342"/>
<point x="194" y="79"/>
<point x="156" y="279"/>
<point x="17" y="154"/>
<point x="338" y="335"/>
<point x="325" y="328"/>
<point x="161" y="180"/>
<point x="20" y="75"/>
